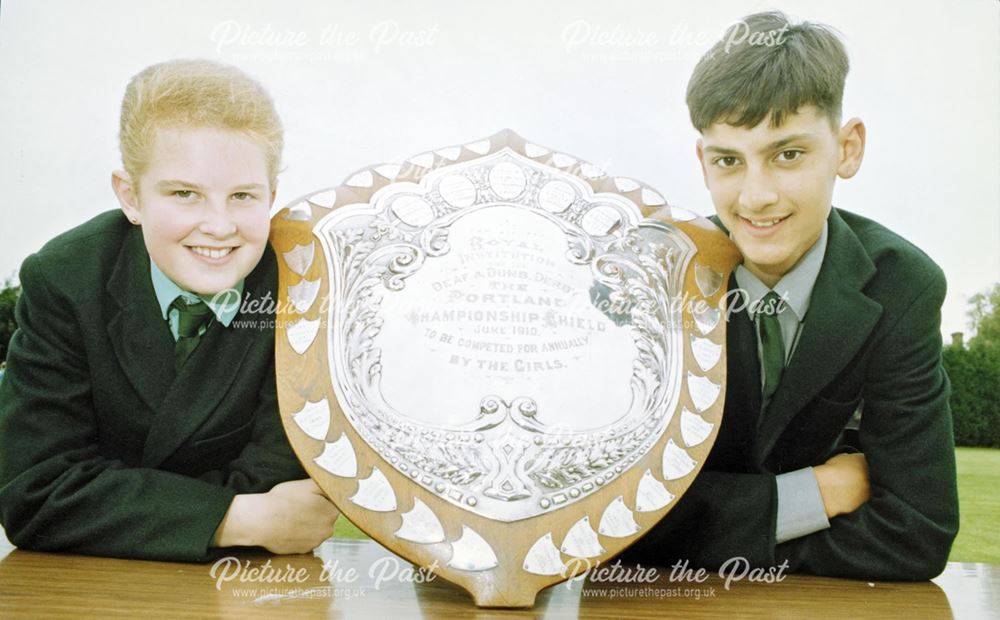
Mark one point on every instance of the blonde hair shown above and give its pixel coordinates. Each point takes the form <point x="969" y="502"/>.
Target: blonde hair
<point x="196" y="93"/>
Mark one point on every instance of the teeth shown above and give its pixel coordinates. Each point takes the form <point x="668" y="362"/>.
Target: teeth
<point x="210" y="253"/>
<point x="764" y="223"/>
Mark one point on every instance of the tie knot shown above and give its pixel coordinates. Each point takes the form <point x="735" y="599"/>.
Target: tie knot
<point x="191" y="317"/>
<point x="771" y="305"/>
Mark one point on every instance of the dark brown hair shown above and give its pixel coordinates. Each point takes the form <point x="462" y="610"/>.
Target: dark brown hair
<point x="764" y="66"/>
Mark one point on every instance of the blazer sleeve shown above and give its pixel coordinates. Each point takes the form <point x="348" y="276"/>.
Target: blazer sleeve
<point x="723" y="515"/>
<point x="902" y="533"/>
<point x="905" y="531"/>
<point x="58" y="491"/>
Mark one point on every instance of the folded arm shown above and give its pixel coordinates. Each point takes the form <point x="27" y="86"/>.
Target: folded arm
<point x="900" y="529"/>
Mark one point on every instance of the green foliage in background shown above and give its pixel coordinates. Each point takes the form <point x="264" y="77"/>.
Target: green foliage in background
<point x="984" y="316"/>
<point x="975" y="394"/>
<point x="8" y="299"/>
<point x="975" y="375"/>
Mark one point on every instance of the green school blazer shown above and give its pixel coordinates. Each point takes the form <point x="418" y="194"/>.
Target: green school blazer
<point x="104" y="449"/>
<point x="871" y="339"/>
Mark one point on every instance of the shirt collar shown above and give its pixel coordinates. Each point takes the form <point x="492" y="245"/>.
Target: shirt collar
<point x="796" y="286"/>
<point x="224" y="306"/>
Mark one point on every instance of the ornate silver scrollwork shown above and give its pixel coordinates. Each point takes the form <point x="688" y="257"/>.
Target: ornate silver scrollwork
<point x="471" y="267"/>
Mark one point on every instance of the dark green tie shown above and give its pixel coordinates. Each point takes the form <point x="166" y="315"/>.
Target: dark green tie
<point x="771" y="343"/>
<point x="190" y="319"/>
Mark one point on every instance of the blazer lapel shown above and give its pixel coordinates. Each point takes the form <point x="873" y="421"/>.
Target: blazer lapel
<point x="738" y="433"/>
<point x="139" y="336"/>
<point x="837" y="325"/>
<point x="208" y="375"/>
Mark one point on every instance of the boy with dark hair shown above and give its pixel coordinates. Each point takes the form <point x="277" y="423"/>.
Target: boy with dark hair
<point x="857" y="330"/>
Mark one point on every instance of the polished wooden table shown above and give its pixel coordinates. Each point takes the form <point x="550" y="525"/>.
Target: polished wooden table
<point x="360" y="579"/>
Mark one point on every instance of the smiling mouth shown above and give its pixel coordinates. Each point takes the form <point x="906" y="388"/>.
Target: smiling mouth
<point x="211" y="252"/>
<point x="765" y="223"/>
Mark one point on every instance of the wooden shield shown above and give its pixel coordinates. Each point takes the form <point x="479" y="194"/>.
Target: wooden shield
<point x="498" y="361"/>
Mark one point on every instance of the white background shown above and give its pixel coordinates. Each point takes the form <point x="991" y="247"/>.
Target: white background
<point x="601" y="80"/>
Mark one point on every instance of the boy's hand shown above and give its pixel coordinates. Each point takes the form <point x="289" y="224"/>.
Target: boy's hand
<point x="293" y="517"/>
<point x="843" y="483"/>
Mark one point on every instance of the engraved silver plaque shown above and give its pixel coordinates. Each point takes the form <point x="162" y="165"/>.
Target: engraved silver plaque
<point x="512" y="354"/>
<point x="509" y="336"/>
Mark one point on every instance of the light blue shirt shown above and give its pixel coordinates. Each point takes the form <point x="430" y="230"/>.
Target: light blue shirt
<point x="800" y="505"/>
<point x="795" y="288"/>
<point x="224" y="305"/>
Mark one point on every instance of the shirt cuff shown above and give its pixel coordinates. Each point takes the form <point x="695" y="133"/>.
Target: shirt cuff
<point x="800" y="505"/>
